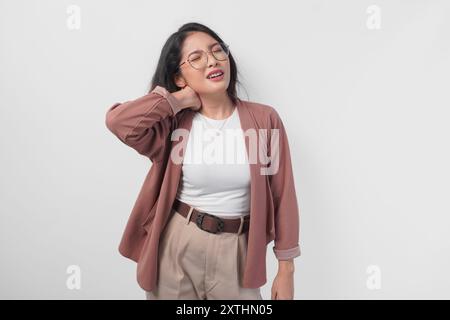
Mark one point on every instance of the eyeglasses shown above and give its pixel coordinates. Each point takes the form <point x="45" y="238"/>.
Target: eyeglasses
<point x="199" y="59"/>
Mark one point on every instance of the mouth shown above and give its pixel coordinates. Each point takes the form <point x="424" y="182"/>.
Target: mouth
<point x="215" y="75"/>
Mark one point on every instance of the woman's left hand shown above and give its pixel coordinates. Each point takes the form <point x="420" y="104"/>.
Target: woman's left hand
<point x="283" y="286"/>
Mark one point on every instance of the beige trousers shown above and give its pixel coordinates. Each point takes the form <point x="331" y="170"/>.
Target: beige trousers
<point x="195" y="264"/>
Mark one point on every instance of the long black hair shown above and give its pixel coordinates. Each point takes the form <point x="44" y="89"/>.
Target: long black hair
<point x="170" y="58"/>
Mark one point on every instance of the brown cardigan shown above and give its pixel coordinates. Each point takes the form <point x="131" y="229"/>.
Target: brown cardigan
<point x="145" y="124"/>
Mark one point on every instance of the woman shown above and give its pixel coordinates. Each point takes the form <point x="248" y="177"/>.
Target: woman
<point x="199" y="229"/>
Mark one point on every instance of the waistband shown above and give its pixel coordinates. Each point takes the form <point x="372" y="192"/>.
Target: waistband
<point x="209" y="222"/>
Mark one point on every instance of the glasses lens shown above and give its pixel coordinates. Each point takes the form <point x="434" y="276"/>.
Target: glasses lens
<point x="220" y="51"/>
<point x="198" y="60"/>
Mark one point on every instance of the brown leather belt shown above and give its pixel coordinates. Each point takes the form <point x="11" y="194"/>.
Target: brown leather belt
<point x="209" y="222"/>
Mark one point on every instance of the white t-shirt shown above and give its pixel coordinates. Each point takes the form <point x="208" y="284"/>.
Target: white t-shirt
<point x="215" y="172"/>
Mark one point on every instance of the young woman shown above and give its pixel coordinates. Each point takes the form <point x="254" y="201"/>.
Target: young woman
<point x="220" y="186"/>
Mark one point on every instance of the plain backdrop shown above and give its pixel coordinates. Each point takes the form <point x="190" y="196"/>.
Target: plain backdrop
<point x="362" y="88"/>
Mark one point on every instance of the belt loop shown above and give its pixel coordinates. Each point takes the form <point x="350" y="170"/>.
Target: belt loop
<point x="241" y="225"/>
<point x="189" y="215"/>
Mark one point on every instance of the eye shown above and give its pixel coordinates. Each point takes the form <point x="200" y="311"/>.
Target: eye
<point x="194" y="56"/>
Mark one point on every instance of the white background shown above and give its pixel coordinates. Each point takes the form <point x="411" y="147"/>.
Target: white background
<point x="366" y="112"/>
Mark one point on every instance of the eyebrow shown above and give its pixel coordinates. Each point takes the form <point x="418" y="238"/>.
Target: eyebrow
<point x="200" y="50"/>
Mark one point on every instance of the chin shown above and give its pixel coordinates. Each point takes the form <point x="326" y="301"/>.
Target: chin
<point x="222" y="89"/>
<point x="214" y="89"/>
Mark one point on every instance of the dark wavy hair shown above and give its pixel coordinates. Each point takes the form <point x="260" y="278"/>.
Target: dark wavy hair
<point x="170" y="58"/>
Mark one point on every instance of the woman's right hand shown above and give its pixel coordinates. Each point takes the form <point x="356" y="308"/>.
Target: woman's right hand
<point x="188" y="98"/>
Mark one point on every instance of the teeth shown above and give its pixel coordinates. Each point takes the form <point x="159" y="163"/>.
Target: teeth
<point x="215" y="75"/>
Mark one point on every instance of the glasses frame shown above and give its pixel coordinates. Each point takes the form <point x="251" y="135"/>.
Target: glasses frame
<point x="207" y="56"/>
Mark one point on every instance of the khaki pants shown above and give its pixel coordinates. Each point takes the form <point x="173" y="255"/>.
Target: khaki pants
<point x="195" y="264"/>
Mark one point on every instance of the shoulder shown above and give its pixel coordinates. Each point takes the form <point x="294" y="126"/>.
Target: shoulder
<point x="263" y="113"/>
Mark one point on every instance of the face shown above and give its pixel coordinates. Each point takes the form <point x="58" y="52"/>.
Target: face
<point x="197" y="78"/>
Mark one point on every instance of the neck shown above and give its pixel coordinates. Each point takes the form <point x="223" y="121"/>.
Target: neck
<point x="216" y="106"/>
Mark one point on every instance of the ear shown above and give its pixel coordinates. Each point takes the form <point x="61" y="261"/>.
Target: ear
<point x="179" y="80"/>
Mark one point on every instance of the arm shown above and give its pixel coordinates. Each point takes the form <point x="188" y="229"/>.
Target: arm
<point x="144" y="123"/>
<point x="286" y="213"/>
<point x="285" y="199"/>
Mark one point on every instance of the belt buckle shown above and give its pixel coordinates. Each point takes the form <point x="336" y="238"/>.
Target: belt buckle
<point x="199" y="222"/>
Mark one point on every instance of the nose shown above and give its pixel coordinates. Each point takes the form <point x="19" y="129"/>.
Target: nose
<point x="211" y="60"/>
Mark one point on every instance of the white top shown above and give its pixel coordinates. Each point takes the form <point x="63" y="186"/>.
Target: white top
<point x="215" y="172"/>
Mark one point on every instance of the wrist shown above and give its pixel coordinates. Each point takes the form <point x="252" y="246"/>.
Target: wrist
<point x="179" y="97"/>
<point x="286" y="266"/>
<point x="172" y="98"/>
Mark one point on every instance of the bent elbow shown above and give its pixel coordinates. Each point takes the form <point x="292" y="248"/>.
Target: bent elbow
<point x="110" y="119"/>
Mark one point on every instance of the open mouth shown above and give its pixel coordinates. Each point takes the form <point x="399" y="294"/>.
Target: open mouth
<point x="215" y="75"/>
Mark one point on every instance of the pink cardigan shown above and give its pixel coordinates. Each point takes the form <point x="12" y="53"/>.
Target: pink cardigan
<point x="145" y="124"/>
